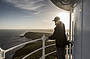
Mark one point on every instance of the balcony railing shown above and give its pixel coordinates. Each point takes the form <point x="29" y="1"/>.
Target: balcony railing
<point x="43" y="38"/>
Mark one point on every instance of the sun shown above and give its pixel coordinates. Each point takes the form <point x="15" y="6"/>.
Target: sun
<point x="64" y="17"/>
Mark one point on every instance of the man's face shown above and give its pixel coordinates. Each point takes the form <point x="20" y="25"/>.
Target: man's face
<point x="55" y="22"/>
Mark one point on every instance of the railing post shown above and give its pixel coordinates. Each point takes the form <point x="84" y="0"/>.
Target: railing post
<point x="43" y="46"/>
<point x="70" y="54"/>
<point x="67" y="55"/>
<point x="2" y="54"/>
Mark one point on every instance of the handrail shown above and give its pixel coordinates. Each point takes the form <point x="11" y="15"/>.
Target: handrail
<point x="46" y="47"/>
<point x="21" y="45"/>
<point x="48" y="54"/>
<point x="43" y="38"/>
<point x="2" y="52"/>
<point x="31" y="53"/>
<point x="36" y="51"/>
<point x="49" y="45"/>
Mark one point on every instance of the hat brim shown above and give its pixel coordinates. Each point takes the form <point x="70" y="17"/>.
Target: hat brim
<point x="53" y="20"/>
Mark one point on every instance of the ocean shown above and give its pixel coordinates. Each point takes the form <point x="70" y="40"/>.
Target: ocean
<point x="10" y="38"/>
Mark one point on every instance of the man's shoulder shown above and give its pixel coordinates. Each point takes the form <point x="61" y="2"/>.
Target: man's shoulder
<point x="61" y="22"/>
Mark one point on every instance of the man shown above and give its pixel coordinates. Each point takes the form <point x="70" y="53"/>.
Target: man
<point x="61" y="40"/>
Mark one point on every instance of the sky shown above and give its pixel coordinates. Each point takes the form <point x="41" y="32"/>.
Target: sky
<point x="30" y="14"/>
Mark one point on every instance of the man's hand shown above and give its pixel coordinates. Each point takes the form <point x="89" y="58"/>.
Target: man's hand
<point x="68" y="42"/>
<point x="49" y="39"/>
<point x="71" y="43"/>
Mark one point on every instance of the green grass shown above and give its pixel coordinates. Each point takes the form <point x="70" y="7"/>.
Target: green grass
<point x="33" y="46"/>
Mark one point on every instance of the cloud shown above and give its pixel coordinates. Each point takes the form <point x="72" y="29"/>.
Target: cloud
<point x="34" y="6"/>
<point x="28" y="4"/>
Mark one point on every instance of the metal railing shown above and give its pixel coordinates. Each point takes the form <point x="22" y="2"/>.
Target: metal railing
<point x="43" y="49"/>
<point x="43" y="38"/>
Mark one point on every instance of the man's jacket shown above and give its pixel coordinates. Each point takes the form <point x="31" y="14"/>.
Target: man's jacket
<point x="59" y="35"/>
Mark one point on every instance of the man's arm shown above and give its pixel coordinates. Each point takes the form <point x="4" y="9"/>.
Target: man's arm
<point x="53" y="35"/>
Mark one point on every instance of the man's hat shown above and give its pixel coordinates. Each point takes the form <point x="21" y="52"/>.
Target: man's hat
<point x="56" y="19"/>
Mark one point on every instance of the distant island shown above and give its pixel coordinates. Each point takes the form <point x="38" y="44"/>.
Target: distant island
<point x="35" y="35"/>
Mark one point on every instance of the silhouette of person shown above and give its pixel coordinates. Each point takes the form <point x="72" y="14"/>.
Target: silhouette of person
<point x="60" y="36"/>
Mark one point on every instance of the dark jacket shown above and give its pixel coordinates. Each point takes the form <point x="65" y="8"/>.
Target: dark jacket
<point x="59" y="35"/>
